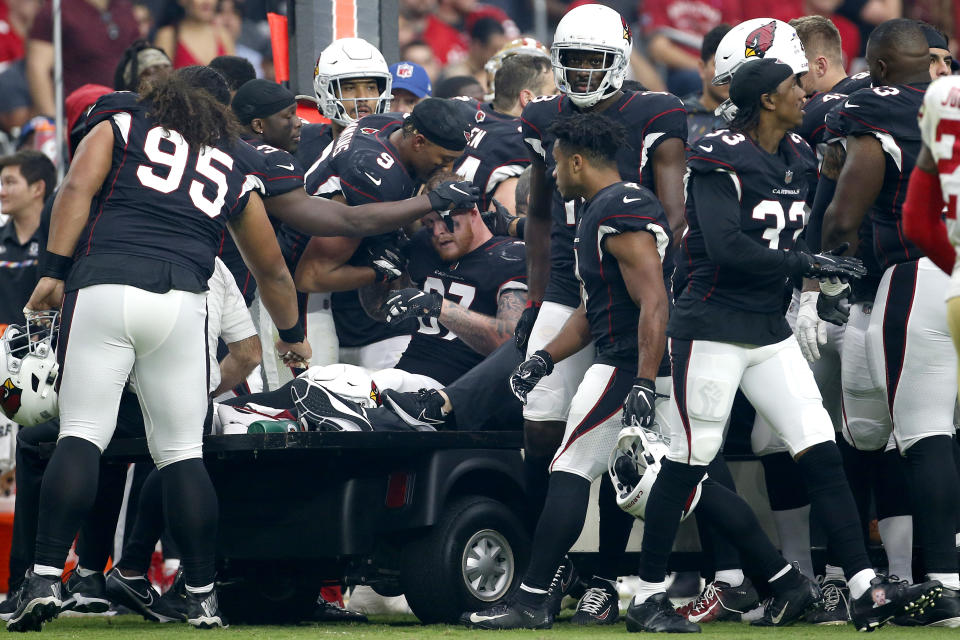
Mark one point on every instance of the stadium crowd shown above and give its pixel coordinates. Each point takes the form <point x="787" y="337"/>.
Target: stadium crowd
<point x="672" y="231"/>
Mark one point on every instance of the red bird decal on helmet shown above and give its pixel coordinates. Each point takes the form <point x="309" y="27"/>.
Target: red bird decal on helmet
<point x="627" y="34"/>
<point x="759" y="40"/>
<point x="9" y="398"/>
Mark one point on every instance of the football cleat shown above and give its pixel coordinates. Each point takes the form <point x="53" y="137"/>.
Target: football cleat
<point x="563" y="582"/>
<point x="327" y="611"/>
<point x="721" y="602"/>
<point x="835" y="608"/>
<point x="508" y="616"/>
<point x="786" y="608"/>
<point x="599" y="605"/>
<point x="203" y="610"/>
<point x="888" y="597"/>
<point x="656" y="614"/>
<point x="324" y="410"/>
<point x="421" y="409"/>
<point x="138" y="594"/>
<point x="85" y="594"/>
<point x="944" y="612"/>
<point x="39" y="600"/>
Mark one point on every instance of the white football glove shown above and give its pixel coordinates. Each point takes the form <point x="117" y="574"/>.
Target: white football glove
<point x="810" y="330"/>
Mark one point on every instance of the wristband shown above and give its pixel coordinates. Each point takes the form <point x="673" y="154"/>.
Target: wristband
<point x="292" y="335"/>
<point x="533" y="304"/>
<point x="832" y="288"/>
<point x="645" y="382"/>
<point x="547" y="359"/>
<point x="55" y="265"/>
<point x="521" y="227"/>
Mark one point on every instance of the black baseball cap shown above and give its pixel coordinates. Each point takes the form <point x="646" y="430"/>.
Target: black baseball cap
<point x="755" y="78"/>
<point x="442" y="122"/>
<point x="260" y="99"/>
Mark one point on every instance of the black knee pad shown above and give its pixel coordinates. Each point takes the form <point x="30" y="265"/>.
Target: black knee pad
<point x="785" y="486"/>
<point x="892" y="494"/>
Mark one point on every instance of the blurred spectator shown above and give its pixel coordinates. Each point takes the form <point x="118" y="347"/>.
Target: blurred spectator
<point x="144" y="17"/>
<point x="39" y="134"/>
<point x="675" y="30"/>
<point x="249" y="43"/>
<point x="141" y="62"/>
<point x="94" y="37"/>
<point x="867" y="14"/>
<point x="411" y="84"/>
<point x="238" y="71"/>
<point x="26" y="179"/>
<point x="16" y="18"/>
<point x="941" y="60"/>
<point x="459" y="86"/>
<point x="419" y="52"/>
<point x="701" y="105"/>
<point x="192" y="35"/>
<point x="487" y="37"/>
<point x="788" y="10"/>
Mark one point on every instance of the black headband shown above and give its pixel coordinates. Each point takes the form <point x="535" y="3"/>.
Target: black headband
<point x="260" y="99"/>
<point x="442" y="122"/>
<point x="756" y="78"/>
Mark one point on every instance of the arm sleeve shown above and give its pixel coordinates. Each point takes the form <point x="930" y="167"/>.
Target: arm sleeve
<point x="726" y="244"/>
<point x="814" y="231"/>
<point x="923" y="219"/>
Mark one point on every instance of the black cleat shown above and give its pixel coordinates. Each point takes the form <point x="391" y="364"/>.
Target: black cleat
<point x="599" y="605"/>
<point x="39" y="600"/>
<point x="326" y="611"/>
<point x="657" y="615"/>
<point x="421" y="409"/>
<point x="85" y="595"/>
<point x="563" y="581"/>
<point x="324" y="410"/>
<point x="9" y="606"/>
<point x="203" y="610"/>
<point x="889" y="597"/>
<point x="944" y="612"/>
<point x="138" y="595"/>
<point x="508" y="616"/>
<point x="787" y="607"/>
<point x="835" y="607"/>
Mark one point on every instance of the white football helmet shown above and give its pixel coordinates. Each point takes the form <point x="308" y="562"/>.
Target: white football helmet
<point x="633" y="466"/>
<point x="345" y="59"/>
<point x="29" y="370"/>
<point x="753" y="39"/>
<point x="592" y="27"/>
<point x="347" y="381"/>
<point x="524" y="46"/>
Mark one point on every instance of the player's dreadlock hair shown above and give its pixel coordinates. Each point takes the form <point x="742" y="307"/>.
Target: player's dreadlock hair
<point x="590" y="134"/>
<point x="746" y="119"/>
<point x="193" y="101"/>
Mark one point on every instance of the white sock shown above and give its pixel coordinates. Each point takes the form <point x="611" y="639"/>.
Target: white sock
<point x="44" y="570"/>
<point x="897" y="536"/>
<point x="793" y="529"/>
<point x="197" y="591"/>
<point x="646" y="589"/>
<point x="860" y="582"/>
<point x="171" y="565"/>
<point x="950" y="580"/>
<point x="733" y="577"/>
<point x="958" y="539"/>
<point x="781" y="573"/>
<point x="84" y="572"/>
<point x="833" y="572"/>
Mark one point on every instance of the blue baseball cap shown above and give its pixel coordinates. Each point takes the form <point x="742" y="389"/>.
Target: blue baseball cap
<point x="411" y="77"/>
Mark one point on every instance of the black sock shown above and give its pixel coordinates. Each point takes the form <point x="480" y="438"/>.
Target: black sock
<point x="790" y="580"/>
<point x="719" y="553"/>
<point x="95" y="543"/>
<point x="832" y="504"/>
<point x="540" y="443"/>
<point x="147" y="527"/>
<point x="892" y="488"/>
<point x="675" y="483"/>
<point x="559" y="527"/>
<point x="30" y="467"/>
<point x="613" y="530"/>
<point x="68" y="491"/>
<point x="932" y="472"/>
<point x="190" y="506"/>
<point x="780" y="474"/>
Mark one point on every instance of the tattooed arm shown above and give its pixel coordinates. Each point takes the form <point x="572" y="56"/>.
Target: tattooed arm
<point x="374" y="295"/>
<point x="481" y="332"/>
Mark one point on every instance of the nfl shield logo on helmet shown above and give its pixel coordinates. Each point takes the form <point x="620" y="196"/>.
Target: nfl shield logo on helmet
<point x="404" y="70"/>
<point x="788" y="177"/>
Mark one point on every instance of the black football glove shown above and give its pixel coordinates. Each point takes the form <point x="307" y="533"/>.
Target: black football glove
<point x="526" y="376"/>
<point x="454" y="196"/>
<point x="830" y="309"/>
<point x="521" y="334"/>
<point x="498" y="220"/>
<point x="412" y="303"/>
<point x="832" y="265"/>
<point x="386" y="257"/>
<point x="638" y="407"/>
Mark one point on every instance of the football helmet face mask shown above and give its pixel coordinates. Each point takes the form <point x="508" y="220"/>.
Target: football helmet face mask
<point x="751" y="40"/>
<point x="349" y="59"/>
<point x="585" y="30"/>
<point x="633" y="466"/>
<point x="524" y="46"/>
<point x="29" y="370"/>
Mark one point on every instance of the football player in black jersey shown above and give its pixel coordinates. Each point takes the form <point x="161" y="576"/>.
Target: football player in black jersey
<point x="749" y="186"/>
<point x="135" y="278"/>
<point x="622" y="236"/>
<point x="907" y="337"/>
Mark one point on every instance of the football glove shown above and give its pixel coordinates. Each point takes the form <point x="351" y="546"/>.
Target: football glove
<point x="831" y="307"/>
<point x="498" y="220"/>
<point x="412" y="303"/>
<point x="386" y="257"/>
<point x="454" y="196"/>
<point x="810" y="330"/>
<point x="525" y="325"/>
<point x="832" y="265"/>
<point x="638" y="408"/>
<point x="526" y="376"/>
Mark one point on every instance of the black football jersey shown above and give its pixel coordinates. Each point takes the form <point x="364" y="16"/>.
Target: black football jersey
<point x="476" y="282"/>
<point x="889" y="114"/>
<point x="495" y="152"/>
<point x="650" y="118"/>
<point x="813" y="129"/>
<point x="853" y="83"/>
<point x="314" y="140"/>
<point x="772" y="190"/>
<point x="619" y="208"/>
<point x="158" y="221"/>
